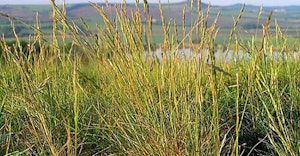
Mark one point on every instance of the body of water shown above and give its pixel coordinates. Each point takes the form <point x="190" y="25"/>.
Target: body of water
<point x="221" y="56"/>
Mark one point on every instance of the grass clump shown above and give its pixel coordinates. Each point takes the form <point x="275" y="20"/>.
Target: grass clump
<point x="106" y="93"/>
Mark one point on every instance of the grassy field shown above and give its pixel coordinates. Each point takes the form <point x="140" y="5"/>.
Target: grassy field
<point x="101" y="95"/>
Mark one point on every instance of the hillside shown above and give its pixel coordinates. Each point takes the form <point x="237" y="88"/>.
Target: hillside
<point x="286" y="16"/>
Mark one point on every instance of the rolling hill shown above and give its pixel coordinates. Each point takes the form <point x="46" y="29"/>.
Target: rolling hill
<point x="286" y="16"/>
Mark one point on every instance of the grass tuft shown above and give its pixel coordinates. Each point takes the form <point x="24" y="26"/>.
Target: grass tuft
<point x="106" y="92"/>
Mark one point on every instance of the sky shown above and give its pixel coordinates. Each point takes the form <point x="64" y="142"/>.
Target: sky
<point x="213" y="2"/>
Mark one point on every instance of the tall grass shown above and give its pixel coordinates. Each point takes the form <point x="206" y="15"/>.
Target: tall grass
<point x="107" y="94"/>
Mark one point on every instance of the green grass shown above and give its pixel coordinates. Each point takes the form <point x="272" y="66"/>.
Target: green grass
<point x="101" y="95"/>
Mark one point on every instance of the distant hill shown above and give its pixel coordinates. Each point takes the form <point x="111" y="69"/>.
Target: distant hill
<point x="28" y="12"/>
<point x="286" y="16"/>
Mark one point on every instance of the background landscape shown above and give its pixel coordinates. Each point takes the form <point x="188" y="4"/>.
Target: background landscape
<point x="286" y="17"/>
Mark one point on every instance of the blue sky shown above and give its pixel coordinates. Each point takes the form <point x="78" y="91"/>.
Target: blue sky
<point x="213" y="2"/>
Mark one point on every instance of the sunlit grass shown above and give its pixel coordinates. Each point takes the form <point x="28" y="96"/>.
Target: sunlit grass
<point x="102" y="95"/>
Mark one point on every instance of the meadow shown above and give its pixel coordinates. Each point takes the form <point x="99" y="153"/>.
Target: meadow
<point x="104" y="93"/>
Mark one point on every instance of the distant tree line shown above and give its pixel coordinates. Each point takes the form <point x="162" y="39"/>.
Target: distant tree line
<point x="20" y="30"/>
<point x="252" y="26"/>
